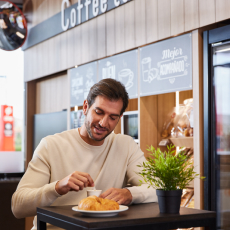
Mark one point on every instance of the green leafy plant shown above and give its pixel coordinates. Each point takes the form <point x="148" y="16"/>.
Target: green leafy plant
<point x="167" y="171"/>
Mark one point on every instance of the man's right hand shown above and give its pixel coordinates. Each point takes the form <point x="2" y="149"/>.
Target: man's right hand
<point x="74" y="182"/>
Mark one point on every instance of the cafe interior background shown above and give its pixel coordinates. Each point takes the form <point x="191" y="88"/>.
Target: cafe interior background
<point x="171" y="55"/>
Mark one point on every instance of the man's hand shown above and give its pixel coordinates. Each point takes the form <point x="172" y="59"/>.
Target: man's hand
<point x="74" y="182"/>
<point x="121" y="196"/>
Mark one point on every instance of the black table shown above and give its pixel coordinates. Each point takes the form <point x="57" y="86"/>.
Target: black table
<point x="140" y="216"/>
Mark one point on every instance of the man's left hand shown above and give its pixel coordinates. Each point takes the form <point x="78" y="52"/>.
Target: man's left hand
<point x="121" y="196"/>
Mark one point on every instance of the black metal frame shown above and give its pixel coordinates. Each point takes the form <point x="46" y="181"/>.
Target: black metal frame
<point x="221" y="34"/>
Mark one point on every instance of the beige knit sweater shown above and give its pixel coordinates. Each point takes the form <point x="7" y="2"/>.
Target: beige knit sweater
<point x="113" y="164"/>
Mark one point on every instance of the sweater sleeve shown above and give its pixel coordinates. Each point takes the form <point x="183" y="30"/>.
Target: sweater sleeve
<point x="34" y="188"/>
<point x="140" y="194"/>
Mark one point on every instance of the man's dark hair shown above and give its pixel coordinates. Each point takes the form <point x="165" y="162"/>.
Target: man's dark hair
<point x="111" y="89"/>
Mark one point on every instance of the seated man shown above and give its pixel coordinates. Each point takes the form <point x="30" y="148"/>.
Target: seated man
<point x="65" y="164"/>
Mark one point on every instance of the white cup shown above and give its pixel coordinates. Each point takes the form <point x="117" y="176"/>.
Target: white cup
<point x="94" y="193"/>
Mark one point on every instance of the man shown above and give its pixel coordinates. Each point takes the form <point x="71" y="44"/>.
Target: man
<point x="65" y="164"/>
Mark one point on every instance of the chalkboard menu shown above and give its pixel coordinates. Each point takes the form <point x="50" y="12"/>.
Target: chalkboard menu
<point x="122" y="67"/>
<point x="81" y="80"/>
<point x="166" y="66"/>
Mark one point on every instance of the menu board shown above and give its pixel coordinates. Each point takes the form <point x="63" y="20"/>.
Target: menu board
<point x="81" y="80"/>
<point x="123" y="68"/>
<point x="166" y="66"/>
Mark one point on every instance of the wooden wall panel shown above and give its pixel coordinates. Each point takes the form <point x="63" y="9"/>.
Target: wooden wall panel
<point x="120" y="29"/>
<point x="222" y="10"/>
<point x="110" y="33"/>
<point x="148" y="122"/>
<point x="70" y="51"/>
<point x="151" y="21"/>
<point x="207" y="12"/>
<point x="30" y="111"/>
<point x="45" y="54"/>
<point x="92" y="47"/>
<point x="28" y="9"/>
<point x="183" y="95"/>
<point x="129" y="25"/>
<point x="101" y="37"/>
<point x="52" y="94"/>
<point x="197" y="44"/>
<point x="85" y="42"/>
<point x="56" y="54"/>
<point x="191" y="14"/>
<point x="140" y="23"/>
<point x="133" y="105"/>
<point x="177" y="17"/>
<point x="77" y="45"/>
<point x="35" y="50"/>
<point x="163" y="18"/>
<point x="63" y="50"/>
<point x="166" y="102"/>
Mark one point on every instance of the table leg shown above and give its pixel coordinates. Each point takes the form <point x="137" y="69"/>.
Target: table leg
<point x="41" y="225"/>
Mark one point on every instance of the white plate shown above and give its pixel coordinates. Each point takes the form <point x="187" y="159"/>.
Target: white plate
<point x="108" y="213"/>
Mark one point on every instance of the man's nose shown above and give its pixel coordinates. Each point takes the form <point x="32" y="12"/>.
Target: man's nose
<point x="104" y="122"/>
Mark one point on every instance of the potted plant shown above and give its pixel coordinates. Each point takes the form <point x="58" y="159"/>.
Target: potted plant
<point x="169" y="174"/>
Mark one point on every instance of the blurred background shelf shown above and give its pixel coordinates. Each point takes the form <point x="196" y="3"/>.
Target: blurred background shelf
<point x="183" y="141"/>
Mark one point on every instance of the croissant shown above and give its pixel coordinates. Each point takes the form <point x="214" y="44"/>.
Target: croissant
<point x="95" y="203"/>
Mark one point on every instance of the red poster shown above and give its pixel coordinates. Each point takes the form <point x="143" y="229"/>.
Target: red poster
<point x="7" y="128"/>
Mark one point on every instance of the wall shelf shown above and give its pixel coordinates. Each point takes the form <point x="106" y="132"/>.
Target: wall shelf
<point x="183" y="141"/>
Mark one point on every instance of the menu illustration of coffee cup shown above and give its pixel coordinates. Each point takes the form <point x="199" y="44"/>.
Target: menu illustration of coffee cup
<point x="125" y="76"/>
<point x="123" y="68"/>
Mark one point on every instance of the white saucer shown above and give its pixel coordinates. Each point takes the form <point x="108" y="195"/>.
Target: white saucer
<point x="108" y="213"/>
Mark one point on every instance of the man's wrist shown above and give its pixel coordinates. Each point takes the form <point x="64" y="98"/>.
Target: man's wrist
<point x="56" y="188"/>
<point x="131" y="196"/>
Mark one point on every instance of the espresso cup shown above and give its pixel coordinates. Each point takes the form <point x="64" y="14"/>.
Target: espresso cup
<point x="94" y="193"/>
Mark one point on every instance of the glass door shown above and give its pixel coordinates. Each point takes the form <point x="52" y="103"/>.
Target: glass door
<point x="221" y="131"/>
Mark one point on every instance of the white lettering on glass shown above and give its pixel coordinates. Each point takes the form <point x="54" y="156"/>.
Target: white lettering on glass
<point x="103" y="6"/>
<point x="87" y="3"/>
<point x="125" y="1"/>
<point x="95" y="7"/>
<point x="172" y="67"/>
<point x="171" y="53"/>
<point x="116" y="2"/>
<point x="63" y="25"/>
<point x="73" y="17"/>
<point x="79" y="7"/>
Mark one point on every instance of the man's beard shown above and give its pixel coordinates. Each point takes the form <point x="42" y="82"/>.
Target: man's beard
<point x="88" y="128"/>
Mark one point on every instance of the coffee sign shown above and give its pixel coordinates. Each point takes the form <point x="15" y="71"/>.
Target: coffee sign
<point x="166" y="66"/>
<point x="84" y="10"/>
<point x="122" y="67"/>
<point x="81" y="80"/>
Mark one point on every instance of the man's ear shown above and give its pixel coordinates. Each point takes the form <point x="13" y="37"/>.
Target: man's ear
<point x="85" y="107"/>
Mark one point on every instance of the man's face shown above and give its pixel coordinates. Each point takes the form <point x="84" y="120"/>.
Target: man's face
<point x="102" y="117"/>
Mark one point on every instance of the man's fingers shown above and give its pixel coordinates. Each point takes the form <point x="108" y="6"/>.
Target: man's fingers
<point x="88" y="177"/>
<point x="83" y="179"/>
<point x="74" y="182"/>
<point x="106" y="193"/>
<point x="74" y="187"/>
<point x="121" y="196"/>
